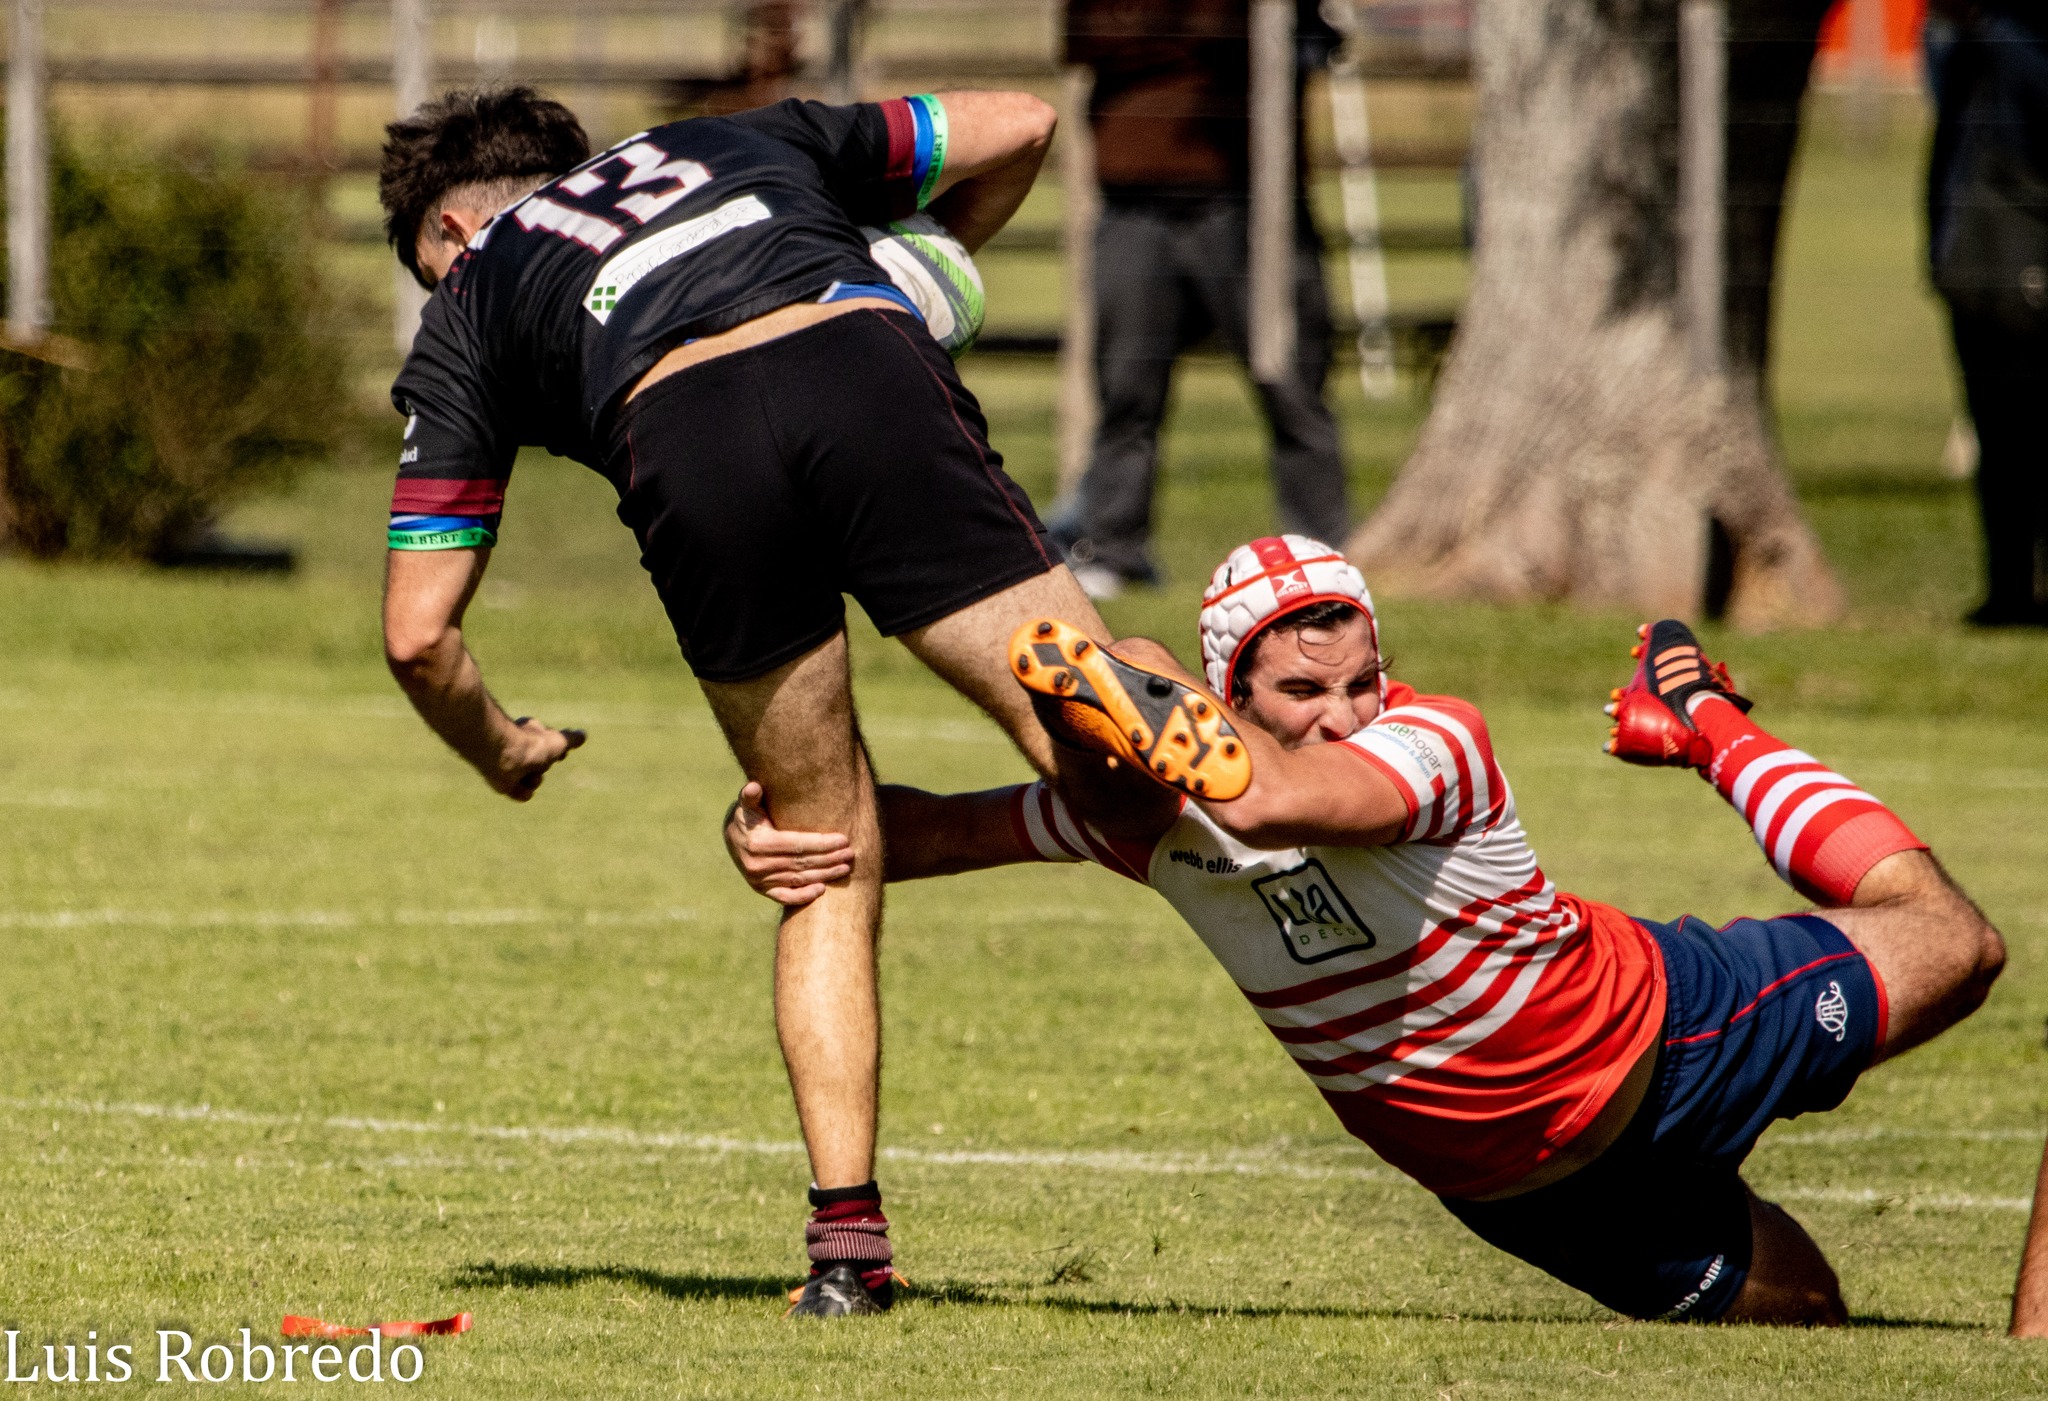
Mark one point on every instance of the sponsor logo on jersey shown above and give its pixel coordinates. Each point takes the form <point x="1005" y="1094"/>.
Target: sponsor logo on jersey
<point x="1420" y="746"/>
<point x="409" y="456"/>
<point x="1214" y="865"/>
<point x="621" y="273"/>
<point x="1315" y="920"/>
<point x="1831" y="1010"/>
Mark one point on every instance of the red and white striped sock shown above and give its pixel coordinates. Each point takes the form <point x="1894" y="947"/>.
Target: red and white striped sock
<point x="1821" y="832"/>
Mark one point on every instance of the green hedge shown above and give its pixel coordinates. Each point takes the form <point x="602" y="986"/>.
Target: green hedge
<point x="194" y="296"/>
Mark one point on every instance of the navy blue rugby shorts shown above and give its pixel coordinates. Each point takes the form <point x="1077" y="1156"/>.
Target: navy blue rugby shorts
<point x="1765" y="1019"/>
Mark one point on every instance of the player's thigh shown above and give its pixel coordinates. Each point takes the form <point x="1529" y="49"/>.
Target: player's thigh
<point x="793" y="732"/>
<point x="970" y="649"/>
<point x="1789" y="1281"/>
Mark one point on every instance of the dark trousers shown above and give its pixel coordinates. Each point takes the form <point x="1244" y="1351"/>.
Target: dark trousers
<point x="1166" y="275"/>
<point x="2005" y="377"/>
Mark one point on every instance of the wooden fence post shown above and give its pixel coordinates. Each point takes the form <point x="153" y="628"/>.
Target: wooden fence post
<point x="323" y="99"/>
<point x="1702" y="177"/>
<point x="842" y="45"/>
<point x="411" y="75"/>
<point x="1272" y="191"/>
<point x="28" y="179"/>
<point x="1365" y="257"/>
<point x="1081" y="206"/>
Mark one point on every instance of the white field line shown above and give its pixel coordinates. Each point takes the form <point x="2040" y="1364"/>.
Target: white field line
<point x="1875" y="1133"/>
<point x="557" y="710"/>
<point x="54" y="798"/>
<point x="327" y="919"/>
<point x="1108" y="1160"/>
<point x="1912" y="1200"/>
<point x="1104" y="1161"/>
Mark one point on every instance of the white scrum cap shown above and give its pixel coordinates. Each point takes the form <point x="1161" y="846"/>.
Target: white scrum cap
<point x="1264" y="581"/>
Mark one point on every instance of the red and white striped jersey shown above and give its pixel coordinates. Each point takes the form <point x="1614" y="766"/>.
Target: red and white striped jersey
<point x="1463" y="1017"/>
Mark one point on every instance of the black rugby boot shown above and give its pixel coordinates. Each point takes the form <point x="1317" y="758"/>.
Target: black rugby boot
<point x="838" y="1293"/>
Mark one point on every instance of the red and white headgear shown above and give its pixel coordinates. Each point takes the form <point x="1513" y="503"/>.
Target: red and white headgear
<point x="1263" y="582"/>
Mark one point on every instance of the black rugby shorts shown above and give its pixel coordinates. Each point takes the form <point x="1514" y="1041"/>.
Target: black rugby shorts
<point x="845" y="458"/>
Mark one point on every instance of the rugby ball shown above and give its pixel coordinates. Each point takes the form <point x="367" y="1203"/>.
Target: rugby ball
<point x="933" y="269"/>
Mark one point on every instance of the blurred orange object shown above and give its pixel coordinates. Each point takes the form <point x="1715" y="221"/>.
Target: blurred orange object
<point x="295" y="1326"/>
<point x="1902" y="21"/>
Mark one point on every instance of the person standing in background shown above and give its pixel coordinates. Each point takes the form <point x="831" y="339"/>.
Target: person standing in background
<point x="1171" y="118"/>
<point x="1987" y="246"/>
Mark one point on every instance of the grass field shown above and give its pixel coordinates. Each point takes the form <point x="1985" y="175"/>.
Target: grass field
<point x="300" y="1018"/>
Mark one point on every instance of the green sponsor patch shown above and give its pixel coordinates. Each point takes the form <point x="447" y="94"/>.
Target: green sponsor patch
<point x="603" y="298"/>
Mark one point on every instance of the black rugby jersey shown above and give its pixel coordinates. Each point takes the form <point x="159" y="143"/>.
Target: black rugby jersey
<point x="565" y="299"/>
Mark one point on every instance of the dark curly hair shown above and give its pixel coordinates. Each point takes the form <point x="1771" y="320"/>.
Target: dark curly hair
<point x="489" y="138"/>
<point x="1330" y="613"/>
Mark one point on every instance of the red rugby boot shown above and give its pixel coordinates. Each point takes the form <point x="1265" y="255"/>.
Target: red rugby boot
<point x="1087" y="697"/>
<point x="1651" y="722"/>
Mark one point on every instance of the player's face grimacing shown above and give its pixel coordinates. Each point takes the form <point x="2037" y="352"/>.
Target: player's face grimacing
<point x="1314" y="685"/>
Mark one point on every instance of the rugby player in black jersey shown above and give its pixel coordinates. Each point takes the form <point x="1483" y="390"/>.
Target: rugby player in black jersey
<point x="694" y="313"/>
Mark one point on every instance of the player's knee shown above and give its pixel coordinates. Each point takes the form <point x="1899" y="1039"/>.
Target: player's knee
<point x="1810" y="1303"/>
<point x="1819" y="1308"/>
<point x="1990" y="959"/>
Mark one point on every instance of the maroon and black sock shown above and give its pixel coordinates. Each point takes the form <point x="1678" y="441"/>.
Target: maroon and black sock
<point x="847" y="1227"/>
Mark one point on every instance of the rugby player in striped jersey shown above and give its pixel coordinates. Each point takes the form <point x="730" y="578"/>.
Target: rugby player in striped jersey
<point x="1579" y="1087"/>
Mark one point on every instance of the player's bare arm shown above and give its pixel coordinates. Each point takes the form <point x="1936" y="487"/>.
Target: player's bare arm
<point x="924" y="835"/>
<point x="426" y="593"/>
<point x="996" y="142"/>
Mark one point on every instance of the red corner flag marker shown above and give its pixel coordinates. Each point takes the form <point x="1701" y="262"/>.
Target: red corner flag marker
<point x="297" y="1327"/>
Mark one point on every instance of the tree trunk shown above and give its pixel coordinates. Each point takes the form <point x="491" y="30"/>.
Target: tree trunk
<point x="1572" y="452"/>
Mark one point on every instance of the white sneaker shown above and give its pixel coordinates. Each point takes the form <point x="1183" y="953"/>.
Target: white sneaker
<point x="1097" y="581"/>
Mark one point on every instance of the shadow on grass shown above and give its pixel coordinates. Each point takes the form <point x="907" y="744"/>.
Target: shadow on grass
<point x="690" y="1287"/>
<point x="695" y="1287"/>
<point x="1942" y="1325"/>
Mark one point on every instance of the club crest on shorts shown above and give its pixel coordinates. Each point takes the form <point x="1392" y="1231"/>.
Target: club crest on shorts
<point x="1831" y="1010"/>
<point x="1316" y="921"/>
